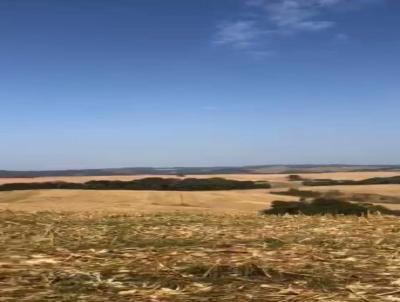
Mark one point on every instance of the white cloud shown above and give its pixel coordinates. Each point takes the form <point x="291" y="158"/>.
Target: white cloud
<point x="278" y="18"/>
<point x="240" y="34"/>
<point x="297" y="15"/>
<point x="314" y="25"/>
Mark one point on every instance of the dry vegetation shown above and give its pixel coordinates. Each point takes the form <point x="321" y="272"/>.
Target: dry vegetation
<point x="196" y="257"/>
<point x="241" y="201"/>
<point x="388" y="190"/>
<point x="205" y="246"/>
<point x="237" y="201"/>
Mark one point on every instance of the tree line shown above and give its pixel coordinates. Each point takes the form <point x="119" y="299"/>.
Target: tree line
<point x="150" y="183"/>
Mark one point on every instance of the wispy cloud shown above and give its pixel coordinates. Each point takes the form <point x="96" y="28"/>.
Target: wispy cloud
<point x="240" y="34"/>
<point x="296" y="15"/>
<point x="341" y="38"/>
<point x="280" y="18"/>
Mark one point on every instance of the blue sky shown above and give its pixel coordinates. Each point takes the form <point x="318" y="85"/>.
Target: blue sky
<point x="86" y="84"/>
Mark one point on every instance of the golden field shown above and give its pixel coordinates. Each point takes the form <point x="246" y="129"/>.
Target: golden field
<point x="236" y="201"/>
<point x="267" y="177"/>
<point x="389" y="190"/>
<point x="240" y="201"/>
<point x="154" y="246"/>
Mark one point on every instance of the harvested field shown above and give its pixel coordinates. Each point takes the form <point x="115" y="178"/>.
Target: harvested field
<point x="349" y="175"/>
<point x="389" y="190"/>
<point x="194" y="257"/>
<point x="235" y="201"/>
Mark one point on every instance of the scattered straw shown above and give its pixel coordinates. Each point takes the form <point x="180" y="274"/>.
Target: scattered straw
<point x="185" y="257"/>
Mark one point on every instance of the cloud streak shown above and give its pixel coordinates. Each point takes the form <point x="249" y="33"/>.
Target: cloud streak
<point x="239" y="34"/>
<point x="296" y="15"/>
<point x="281" y="18"/>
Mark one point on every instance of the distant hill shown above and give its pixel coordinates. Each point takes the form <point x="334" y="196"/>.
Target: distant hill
<point x="290" y="169"/>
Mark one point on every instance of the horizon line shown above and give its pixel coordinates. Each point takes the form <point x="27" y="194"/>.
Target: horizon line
<point x="204" y="167"/>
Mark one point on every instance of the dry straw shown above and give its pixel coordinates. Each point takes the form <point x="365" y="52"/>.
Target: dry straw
<point x="184" y="257"/>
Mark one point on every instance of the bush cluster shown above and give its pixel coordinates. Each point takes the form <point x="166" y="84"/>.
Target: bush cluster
<point x="150" y="183"/>
<point x="324" y="206"/>
<point x="394" y="180"/>
<point x="294" y="177"/>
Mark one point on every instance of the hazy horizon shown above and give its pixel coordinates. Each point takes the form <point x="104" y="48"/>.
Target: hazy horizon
<point x="185" y="167"/>
<point x="150" y="83"/>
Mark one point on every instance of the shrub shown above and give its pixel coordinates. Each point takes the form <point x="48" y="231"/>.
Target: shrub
<point x="150" y="183"/>
<point x="328" y="182"/>
<point x="370" y="181"/>
<point x="294" y="177"/>
<point x="324" y="206"/>
<point x="39" y="186"/>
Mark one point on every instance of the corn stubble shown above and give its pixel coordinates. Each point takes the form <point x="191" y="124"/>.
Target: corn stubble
<point x="195" y="257"/>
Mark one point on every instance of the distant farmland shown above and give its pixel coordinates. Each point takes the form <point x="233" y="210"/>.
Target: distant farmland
<point x="236" y="201"/>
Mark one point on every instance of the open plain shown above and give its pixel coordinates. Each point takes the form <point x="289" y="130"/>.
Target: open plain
<point x="208" y="246"/>
<point x="233" y="201"/>
<point x="279" y="177"/>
